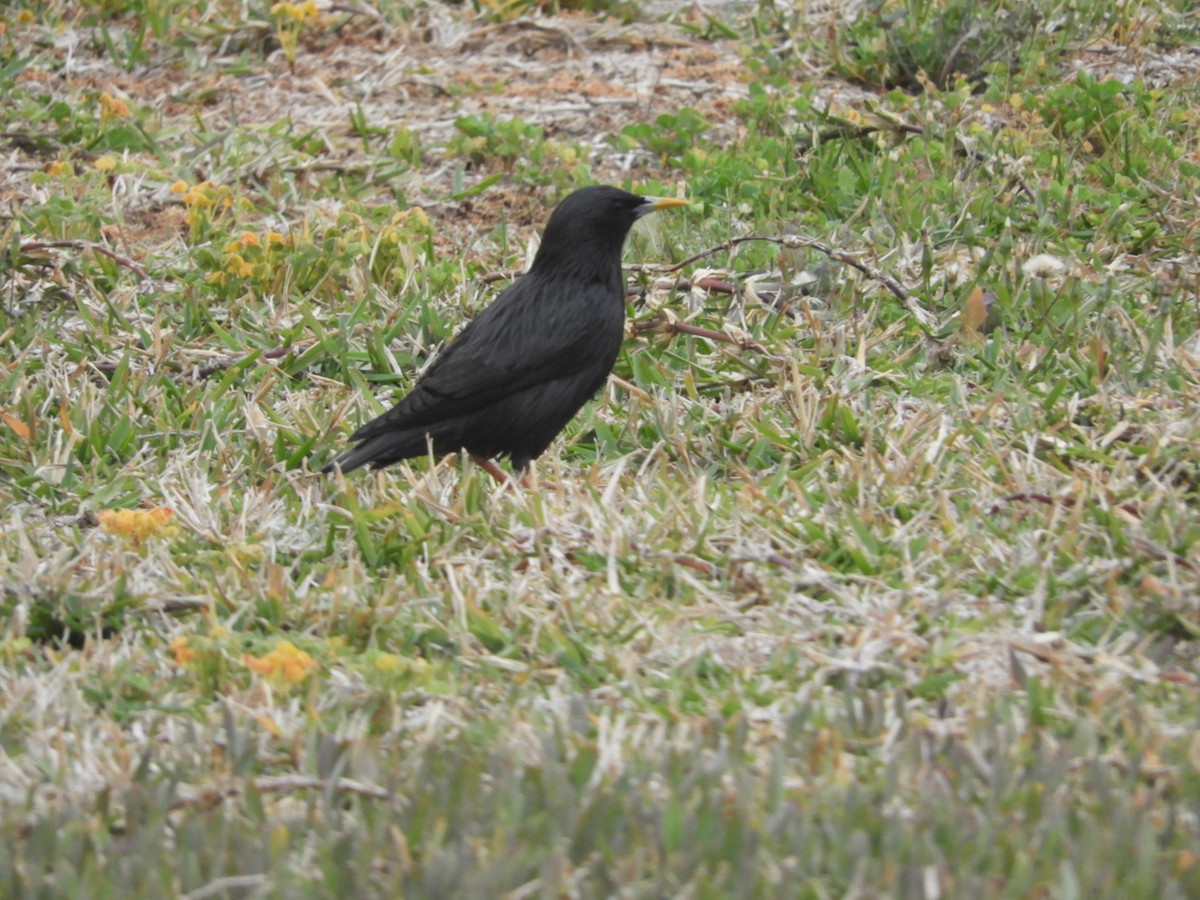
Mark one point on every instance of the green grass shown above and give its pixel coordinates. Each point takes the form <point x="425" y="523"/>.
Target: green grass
<point x="867" y="598"/>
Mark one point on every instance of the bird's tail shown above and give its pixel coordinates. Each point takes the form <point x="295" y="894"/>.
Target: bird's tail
<point x="380" y="450"/>
<point x="349" y="460"/>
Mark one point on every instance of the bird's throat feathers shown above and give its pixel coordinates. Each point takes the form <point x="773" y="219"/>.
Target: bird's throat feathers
<point x="596" y="260"/>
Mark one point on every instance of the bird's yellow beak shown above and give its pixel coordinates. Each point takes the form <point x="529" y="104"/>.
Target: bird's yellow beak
<point x="657" y="203"/>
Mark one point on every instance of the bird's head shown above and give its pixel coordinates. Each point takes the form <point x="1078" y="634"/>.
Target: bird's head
<point x="589" y="226"/>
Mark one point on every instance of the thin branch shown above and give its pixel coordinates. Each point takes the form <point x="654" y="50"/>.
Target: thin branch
<point x="210" y="797"/>
<point x="850" y="131"/>
<point x="86" y="245"/>
<point x="31" y="142"/>
<point x="1069" y="502"/>
<point x="1029" y="497"/>
<point x="225" y="885"/>
<point x="364" y="10"/>
<point x="274" y="353"/>
<point x="715" y="285"/>
<point x="700" y="565"/>
<point x="952" y="57"/>
<point x="493" y="277"/>
<point x="925" y="319"/>
<point x="696" y="257"/>
<point x="173" y="605"/>
<point x="662" y="325"/>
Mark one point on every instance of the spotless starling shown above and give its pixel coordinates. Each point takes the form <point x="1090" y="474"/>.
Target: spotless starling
<point x="522" y="368"/>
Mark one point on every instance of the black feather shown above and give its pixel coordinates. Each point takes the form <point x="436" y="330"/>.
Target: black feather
<point x="518" y="373"/>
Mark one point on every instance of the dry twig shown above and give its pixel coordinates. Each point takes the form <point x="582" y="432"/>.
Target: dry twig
<point x="274" y="353"/>
<point x="925" y="320"/>
<point x="664" y="325"/>
<point x="125" y="261"/>
<point x="211" y="796"/>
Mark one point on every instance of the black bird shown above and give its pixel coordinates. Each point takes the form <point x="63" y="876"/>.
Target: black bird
<point x="522" y="368"/>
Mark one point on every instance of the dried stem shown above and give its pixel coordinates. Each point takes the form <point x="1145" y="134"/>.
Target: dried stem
<point x="210" y="797"/>
<point x="925" y="319"/>
<point x="86" y="245"/>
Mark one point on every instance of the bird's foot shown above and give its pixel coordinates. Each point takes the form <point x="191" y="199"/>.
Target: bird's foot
<point x="491" y="468"/>
<point x="497" y="473"/>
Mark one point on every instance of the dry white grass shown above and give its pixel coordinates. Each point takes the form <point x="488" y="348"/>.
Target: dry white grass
<point x="969" y="541"/>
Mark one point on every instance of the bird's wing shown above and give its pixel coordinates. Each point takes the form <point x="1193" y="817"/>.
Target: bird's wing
<point x="503" y="351"/>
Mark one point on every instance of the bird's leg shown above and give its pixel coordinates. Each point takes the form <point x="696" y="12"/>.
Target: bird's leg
<point x="491" y="468"/>
<point x="529" y="479"/>
<point x="497" y="473"/>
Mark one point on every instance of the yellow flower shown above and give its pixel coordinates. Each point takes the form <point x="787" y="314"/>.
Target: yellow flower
<point x="392" y="664"/>
<point x="112" y="108"/>
<point x="297" y="12"/>
<point x="181" y="651"/>
<point x="238" y="266"/>
<point x="408" y="226"/>
<point x="137" y="525"/>
<point x="389" y="662"/>
<point x="179" y="187"/>
<point x="274" y="237"/>
<point x="25" y="17"/>
<point x="216" y="278"/>
<point x="285" y="664"/>
<point x="248" y="553"/>
<point x="58" y="168"/>
<point x="414" y="218"/>
<point x="198" y="194"/>
<point x="106" y="163"/>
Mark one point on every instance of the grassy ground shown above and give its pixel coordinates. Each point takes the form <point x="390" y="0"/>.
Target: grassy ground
<point x="888" y="588"/>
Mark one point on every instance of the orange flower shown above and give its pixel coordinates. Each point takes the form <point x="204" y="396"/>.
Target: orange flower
<point x="138" y="525"/>
<point x="181" y="651"/>
<point x="286" y="664"/>
<point x="112" y="108"/>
